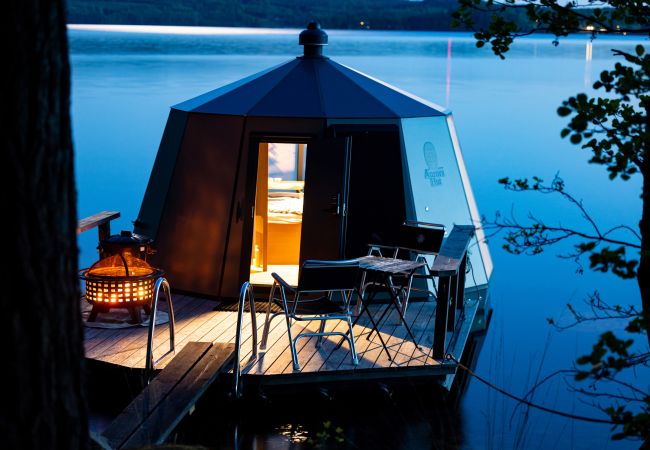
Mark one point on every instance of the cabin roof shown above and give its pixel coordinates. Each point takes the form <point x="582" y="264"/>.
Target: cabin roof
<point x="311" y="88"/>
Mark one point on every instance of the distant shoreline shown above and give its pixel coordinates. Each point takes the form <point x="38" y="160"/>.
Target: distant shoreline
<point x="191" y="16"/>
<point x="399" y="15"/>
<point x="285" y="31"/>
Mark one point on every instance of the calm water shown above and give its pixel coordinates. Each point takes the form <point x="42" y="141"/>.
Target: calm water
<point x="125" y="82"/>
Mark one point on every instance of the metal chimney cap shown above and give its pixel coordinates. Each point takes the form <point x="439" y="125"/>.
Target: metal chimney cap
<point x="313" y="39"/>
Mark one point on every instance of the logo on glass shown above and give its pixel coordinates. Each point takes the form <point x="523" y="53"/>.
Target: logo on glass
<point x="434" y="173"/>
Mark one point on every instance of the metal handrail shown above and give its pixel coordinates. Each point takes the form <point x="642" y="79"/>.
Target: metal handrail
<point x="245" y="292"/>
<point x="150" y="363"/>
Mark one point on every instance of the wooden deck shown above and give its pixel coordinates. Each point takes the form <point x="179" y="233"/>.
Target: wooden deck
<point x="196" y="320"/>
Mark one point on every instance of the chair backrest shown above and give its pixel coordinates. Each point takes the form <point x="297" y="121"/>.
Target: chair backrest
<point x="316" y="275"/>
<point x="422" y="237"/>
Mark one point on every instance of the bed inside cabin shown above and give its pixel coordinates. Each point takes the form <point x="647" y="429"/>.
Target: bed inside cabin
<point x="279" y="203"/>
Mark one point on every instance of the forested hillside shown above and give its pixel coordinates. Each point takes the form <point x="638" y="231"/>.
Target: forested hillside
<point x="341" y="14"/>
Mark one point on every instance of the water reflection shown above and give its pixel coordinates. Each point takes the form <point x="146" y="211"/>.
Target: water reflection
<point x="402" y="413"/>
<point x="589" y="49"/>
<point x="366" y="416"/>
<point x="448" y="75"/>
<point x="297" y="434"/>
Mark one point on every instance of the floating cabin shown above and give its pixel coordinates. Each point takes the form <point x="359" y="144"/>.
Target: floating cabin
<point x="307" y="160"/>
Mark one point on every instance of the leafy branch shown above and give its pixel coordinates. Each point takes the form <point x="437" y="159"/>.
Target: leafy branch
<point x="598" y="310"/>
<point x="550" y="16"/>
<point x="533" y="238"/>
<point x="615" y="128"/>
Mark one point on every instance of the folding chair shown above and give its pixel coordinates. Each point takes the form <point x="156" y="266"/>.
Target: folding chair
<point x="417" y="241"/>
<point x="312" y="300"/>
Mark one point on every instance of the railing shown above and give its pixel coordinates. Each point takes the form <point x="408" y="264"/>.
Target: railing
<point x="449" y="266"/>
<point x="246" y="292"/>
<point x="161" y="283"/>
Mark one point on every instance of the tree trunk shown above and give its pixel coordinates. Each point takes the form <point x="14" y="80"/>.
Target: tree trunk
<point x="43" y="404"/>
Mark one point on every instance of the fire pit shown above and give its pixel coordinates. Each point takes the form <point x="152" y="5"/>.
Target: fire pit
<point x="120" y="281"/>
<point x="126" y="243"/>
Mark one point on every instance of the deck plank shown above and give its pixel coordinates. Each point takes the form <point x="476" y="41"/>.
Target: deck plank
<point x="201" y="316"/>
<point x="163" y="420"/>
<point x="283" y="358"/>
<point x="328" y="346"/>
<point x="362" y="345"/>
<point x="425" y="339"/>
<point x="277" y="338"/>
<point x="226" y="330"/>
<point x="196" y="320"/>
<point x="399" y="336"/>
<point x="306" y="348"/>
<point x="387" y="328"/>
<point x="161" y="341"/>
<point x="407" y="348"/>
<point x="246" y="360"/>
<point x="135" y="357"/>
<point x="122" y="343"/>
<point x="108" y="337"/>
<point x="138" y="410"/>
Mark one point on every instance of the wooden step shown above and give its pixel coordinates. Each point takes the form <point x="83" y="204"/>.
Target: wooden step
<point x="152" y="416"/>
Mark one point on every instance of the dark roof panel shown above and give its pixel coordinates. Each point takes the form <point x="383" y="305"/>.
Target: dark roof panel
<point x="237" y="98"/>
<point x="402" y="103"/>
<point x="297" y="95"/>
<point x="311" y="88"/>
<point x="343" y="98"/>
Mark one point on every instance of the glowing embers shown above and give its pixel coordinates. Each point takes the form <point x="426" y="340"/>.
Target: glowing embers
<point x="120" y="281"/>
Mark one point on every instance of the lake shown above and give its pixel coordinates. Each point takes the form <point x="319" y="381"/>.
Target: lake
<point x="124" y="80"/>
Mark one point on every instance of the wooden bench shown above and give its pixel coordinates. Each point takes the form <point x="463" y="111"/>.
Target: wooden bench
<point x="152" y="416"/>
<point x="100" y="220"/>
<point x="449" y="266"/>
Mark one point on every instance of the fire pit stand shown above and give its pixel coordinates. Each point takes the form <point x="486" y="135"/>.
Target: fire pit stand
<point x="120" y="281"/>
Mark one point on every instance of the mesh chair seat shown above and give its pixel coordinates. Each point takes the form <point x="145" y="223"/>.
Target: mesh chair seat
<point x="417" y="239"/>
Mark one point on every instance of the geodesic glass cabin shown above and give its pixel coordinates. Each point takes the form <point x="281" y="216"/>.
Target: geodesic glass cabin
<point x="306" y="160"/>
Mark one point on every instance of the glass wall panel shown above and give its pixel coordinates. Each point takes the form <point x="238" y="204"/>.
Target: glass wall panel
<point x="439" y="195"/>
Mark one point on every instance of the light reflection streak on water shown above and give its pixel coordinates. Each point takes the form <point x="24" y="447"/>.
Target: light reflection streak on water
<point x="588" y="58"/>
<point x="185" y="30"/>
<point x="296" y="433"/>
<point x="448" y="75"/>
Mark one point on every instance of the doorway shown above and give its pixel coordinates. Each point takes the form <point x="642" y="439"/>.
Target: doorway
<point x="278" y="212"/>
<point x="328" y="202"/>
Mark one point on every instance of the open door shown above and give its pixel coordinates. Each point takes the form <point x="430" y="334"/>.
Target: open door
<point x="278" y="210"/>
<point x="325" y="207"/>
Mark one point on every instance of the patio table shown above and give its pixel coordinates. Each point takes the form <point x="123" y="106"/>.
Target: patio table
<point x="382" y="270"/>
